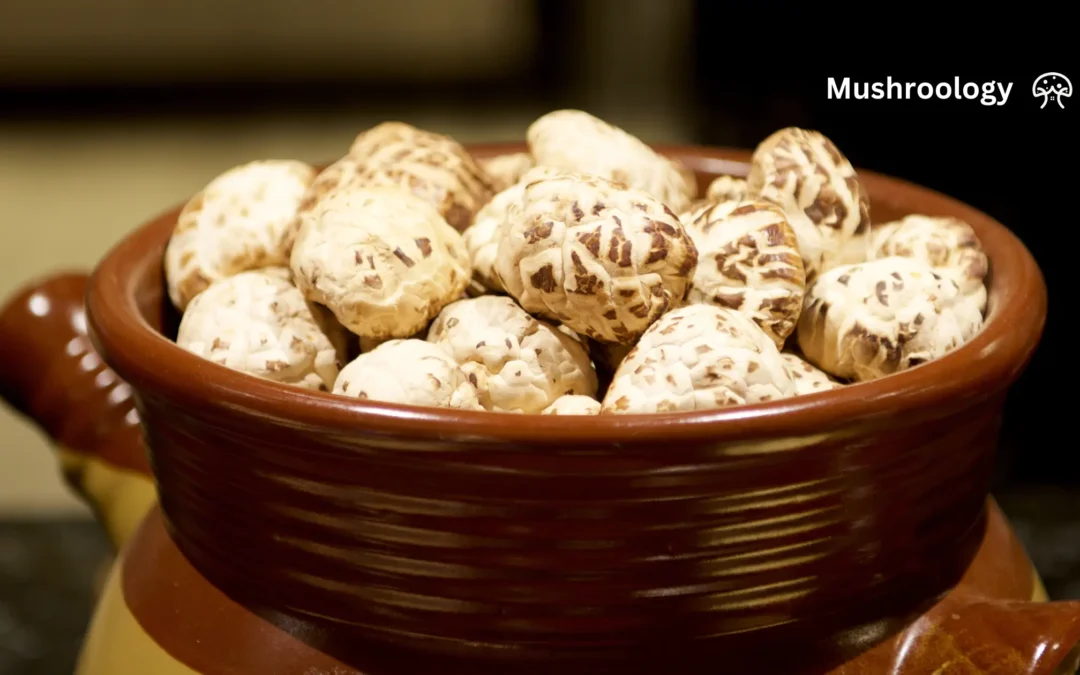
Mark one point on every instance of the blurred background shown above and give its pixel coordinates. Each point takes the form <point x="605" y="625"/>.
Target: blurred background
<point x="114" y="110"/>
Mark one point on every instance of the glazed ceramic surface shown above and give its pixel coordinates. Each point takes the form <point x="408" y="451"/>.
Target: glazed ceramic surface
<point x="309" y="533"/>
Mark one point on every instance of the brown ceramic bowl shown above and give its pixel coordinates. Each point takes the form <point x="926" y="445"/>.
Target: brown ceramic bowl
<point x="824" y="521"/>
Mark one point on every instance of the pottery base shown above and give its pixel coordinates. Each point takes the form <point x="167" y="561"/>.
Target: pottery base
<point x="159" y="615"/>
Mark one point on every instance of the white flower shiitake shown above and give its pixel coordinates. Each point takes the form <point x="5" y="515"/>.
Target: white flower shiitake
<point x="578" y="142"/>
<point x="869" y="320"/>
<point x="240" y="221"/>
<point x="949" y="245"/>
<point x="748" y="260"/>
<point x="518" y="363"/>
<point x="383" y="261"/>
<point x="603" y="260"/>
<point x="699" y="357"/>
<point x="408" y="372"/>
<point x="258" y="323"/>
<point x="803" y="172"/>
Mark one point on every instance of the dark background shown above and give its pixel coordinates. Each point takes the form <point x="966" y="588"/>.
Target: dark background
<point x="733" y="77"/>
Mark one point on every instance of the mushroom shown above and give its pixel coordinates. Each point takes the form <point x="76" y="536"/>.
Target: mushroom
<point x="573" y="405"/>
<point x="603" y="260"/>
<point x="807" y="378"/>
<point x="408" y="372"/>
<point x="748" y="260"/>
<point x="699" y="357"/>
<point x="258" y="323"/>
<point x="576" y="141"/>
<point x="516" y="362"/>
<point x="434" y="167"/>
<point x="865" y="321"/>
<point x="382" y="260"/>
<point x="482" y="237"/>
<point x="1052" y="87"/>
<point x="949" y="245"/>
<point x="726" y="188"/>
<point x="505" y="170"/>
<point x="238" y="222"/>
<point x="802" y="172"/>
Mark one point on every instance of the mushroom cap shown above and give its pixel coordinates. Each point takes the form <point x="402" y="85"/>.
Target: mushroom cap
<point x="603" y="260"/>
<point x="806" y="175"/>
<point x="576" y="141"/>
<point x="482" y="237"/>
<point x="258" y="323"/>
<point x="748" y="260"/>
<point x="382" y="260"/>
<point x="573" y="405"/>
<point x="865" y="321"/>
<point x="505" y="170"/>
<point x="432" y="166"/>
<point x="807" y="378"/>
<point x="698" y="357"/>
<point x="408" y="372"/>
<point x="726" y="188"/>
<point x="949" y="245"/>
<point x="237" y="222"/>
<point x="518" y="363"/>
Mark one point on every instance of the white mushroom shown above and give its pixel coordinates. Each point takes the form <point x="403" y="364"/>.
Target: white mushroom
<point x="726" y="188"/>
<point x="698" y="358"/>
<point x="383" y="261"/>
<point x="238" y="222"/>
<point x="408" y="372"/>
<point x="258" y="323"/>
<point x="949" y="245"/>
<point x="865" y="321"/>
<point x="482" y="237"/>
<point x="519" y="364"/>
<point x="748" y="260"/>
<point x="602" y="260"/>
<point x="827" y="206"/>
<point x="432" y="166"/>
<point x="579" y="142"/>
<point x="505" y="170"/>
<point x="573" y="405"/>
<point x="807" y="378"/>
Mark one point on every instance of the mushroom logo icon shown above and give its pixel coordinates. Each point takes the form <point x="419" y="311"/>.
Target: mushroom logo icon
<point x="1052" y="87"/>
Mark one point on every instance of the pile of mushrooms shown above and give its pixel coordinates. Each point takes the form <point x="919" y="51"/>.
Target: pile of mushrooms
<point x="585" y="276"/>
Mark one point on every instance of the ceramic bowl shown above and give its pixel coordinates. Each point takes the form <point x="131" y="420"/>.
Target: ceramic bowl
<point x="823" y="519"/>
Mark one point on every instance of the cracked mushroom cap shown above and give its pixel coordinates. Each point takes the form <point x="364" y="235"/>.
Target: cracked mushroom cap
<point x="576" y="141"/>
<point x="699" y="357"/>
<point x="829" y="209"/>
<point x="726" y="188"/>
<point x="519" y="363"/>
<point x="573" y="405"/>
<point x="506" y="170"/>
<point x="807" y="378"/>
<point x="602" y="260"/>
<point x="382" y="260"/>
<point x="865" y="321"/>
<point x="431" y="166"/>
<point x="748" y="260"/>
<point x="482" y="237"/>
<point x="238" y="222"/>
<point x="258" y="323"/>
<point x="949" y="245"/>
<point x="408" y="372"/>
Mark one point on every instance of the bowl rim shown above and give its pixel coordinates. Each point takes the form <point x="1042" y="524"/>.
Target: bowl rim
<point x="155" y="366"/>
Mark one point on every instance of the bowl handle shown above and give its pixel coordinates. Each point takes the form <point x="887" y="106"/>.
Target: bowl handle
<point x="51" y="373"/>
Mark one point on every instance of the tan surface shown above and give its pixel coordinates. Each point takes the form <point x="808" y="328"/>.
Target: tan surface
<point x="67" y="194"/>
